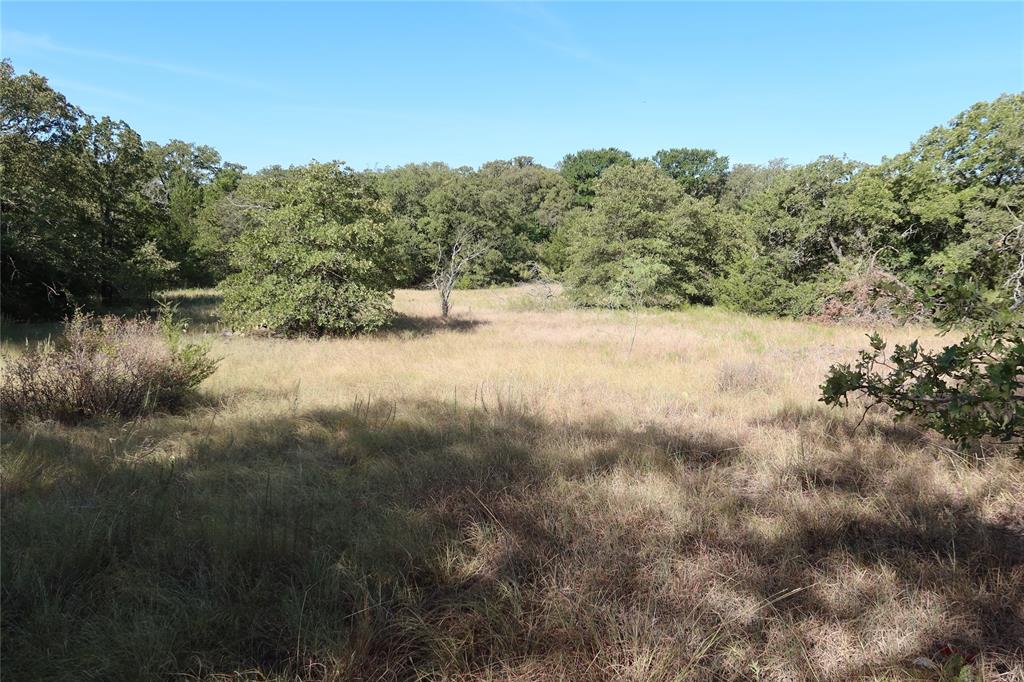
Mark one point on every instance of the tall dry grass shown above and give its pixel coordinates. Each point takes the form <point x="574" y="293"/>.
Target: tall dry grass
<point x="514" y="495"/>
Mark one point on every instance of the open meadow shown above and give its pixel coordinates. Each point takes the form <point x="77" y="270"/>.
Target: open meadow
<point x="512" y="342"/>
<point x="523" y="493"/>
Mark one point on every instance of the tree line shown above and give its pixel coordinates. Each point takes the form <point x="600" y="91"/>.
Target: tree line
<point x="94" y="216"/>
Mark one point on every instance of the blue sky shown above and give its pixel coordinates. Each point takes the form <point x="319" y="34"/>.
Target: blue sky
<point x="386" y="84"/>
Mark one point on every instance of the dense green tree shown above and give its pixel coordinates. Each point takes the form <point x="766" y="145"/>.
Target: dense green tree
<point x="582" y="169"/>
<point x="701" y="172"/>
<point x="958" y="194"/>
<point x="44" y="236"/>
<point x="118" y="170"/>
<point x="747" y="180"/>
<point x="405" y="191"/>
<point x="704" y="239"/>
<point x="940" y="214"/>
<point x="556" y="253"/>
<point x="959" y="191"/>
<point x="217" y="224"/>
<point x="455" y="214"/>
<point x="756" y="283"/>
<point x="522" y="202"/>
<point x="528" y="197"/>
<point x="77" y="224"/>
<point x="809" y="230"/>
<point x="237" y="203"/>
<point x="814" y="218"/>
<point x="183" y="171"/>
<point x="317" y="258"/>
<point x="91" y="215"/>
<point x="644" y="229"/>
<point x="512" y="205"/>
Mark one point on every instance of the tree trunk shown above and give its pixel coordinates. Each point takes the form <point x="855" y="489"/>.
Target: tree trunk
<point x="444" y="304"/>
<point x="835" y="248"/>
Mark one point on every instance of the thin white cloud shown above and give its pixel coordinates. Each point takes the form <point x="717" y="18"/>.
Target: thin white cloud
<point x="16" y="40"/>
<point x="548" y="30"/>
<point x="85" y="88"/>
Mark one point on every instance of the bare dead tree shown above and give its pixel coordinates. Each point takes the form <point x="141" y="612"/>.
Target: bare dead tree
<point x="539" y="275"/>
<point x="452" y="262"/>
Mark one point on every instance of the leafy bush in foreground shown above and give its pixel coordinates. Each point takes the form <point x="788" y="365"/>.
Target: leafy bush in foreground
<point x="105" y="366"/>
<point x="969" y="390"/>
<point x="966" y="391"/>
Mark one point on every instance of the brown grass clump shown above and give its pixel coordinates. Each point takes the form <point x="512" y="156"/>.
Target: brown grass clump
<point x="519" y="499"/>
<point x="742" y="377"/>
<point x="103" y="366"/>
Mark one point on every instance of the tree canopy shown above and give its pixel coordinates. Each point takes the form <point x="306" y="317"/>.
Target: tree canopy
<point x="93" y="216"/>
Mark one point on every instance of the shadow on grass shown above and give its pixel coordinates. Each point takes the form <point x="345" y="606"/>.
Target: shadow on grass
<point x="393" y="541"/>
<point x="415" y="325"/>
<point x="836" y="424"/>
<point x="200" y="308"/>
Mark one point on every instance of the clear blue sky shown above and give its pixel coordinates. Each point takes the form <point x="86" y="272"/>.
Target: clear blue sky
<point x="387" y="84"/>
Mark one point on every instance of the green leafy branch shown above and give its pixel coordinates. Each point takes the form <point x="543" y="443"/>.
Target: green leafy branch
<point x="968" y="391"/>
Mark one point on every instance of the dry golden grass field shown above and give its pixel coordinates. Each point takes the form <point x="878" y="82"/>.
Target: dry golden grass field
<point x="517" y="495"/>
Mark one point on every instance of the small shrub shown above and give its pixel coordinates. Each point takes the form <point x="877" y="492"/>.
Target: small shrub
<point x="105" y="366"/>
